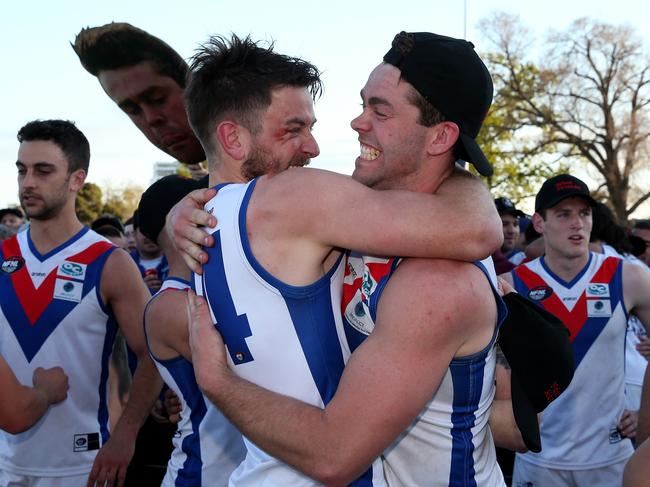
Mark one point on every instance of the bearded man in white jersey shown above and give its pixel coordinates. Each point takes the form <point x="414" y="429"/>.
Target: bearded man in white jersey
<point x="433" y="314"/>
<point x="583" y="433"/>
<point x="65" y="290"/>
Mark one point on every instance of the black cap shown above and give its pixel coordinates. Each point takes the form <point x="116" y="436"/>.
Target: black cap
<point x="449" y="74"/>
<point x="157" y="200"/>
<point x="108" y="220"/>
<point x="537" y="347"/>
<point x="560" y="187"/>
<point x="11" y="211"/>
<point x="505" y="206"/>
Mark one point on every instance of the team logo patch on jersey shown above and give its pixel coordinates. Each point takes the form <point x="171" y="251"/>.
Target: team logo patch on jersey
<point x="12" y="264"/>
<point x="68" y="290"/>
<point x="72" y="269"/>
<point x="597" y="308"/>
<point x="597" y="290"/>
<point x="540" y="293"/>
<point x="86" y="442"/>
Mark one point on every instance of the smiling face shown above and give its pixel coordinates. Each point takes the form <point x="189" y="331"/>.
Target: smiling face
<point x="285" y="138"/>
<point x="566" y="228"/>
<point x="45" y="186"/>
<point x="154" y="103"/>
<point x="392" y="141"/>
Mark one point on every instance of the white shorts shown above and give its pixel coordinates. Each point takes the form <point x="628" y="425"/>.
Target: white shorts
<point x="527" y="474"/>
<point x="8" y="479"/>
<point x="632" y="397"/>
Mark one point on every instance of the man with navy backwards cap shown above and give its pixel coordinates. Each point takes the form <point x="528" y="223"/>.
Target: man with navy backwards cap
<point x="419" y="386"/>
<point x="584" y="433"/>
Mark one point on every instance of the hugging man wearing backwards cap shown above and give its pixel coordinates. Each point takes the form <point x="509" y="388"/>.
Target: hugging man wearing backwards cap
<point x="419" y="386"/>
<point x="585" y="432"/>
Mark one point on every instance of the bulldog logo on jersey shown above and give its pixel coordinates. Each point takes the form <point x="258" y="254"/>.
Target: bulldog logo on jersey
<point x="540" y="293"/>
<point x="12" y="264"/>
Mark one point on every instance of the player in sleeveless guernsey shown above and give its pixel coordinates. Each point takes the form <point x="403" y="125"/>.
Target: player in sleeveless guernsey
<point x="274" y="236"/>
<point x="207" y="448"/>
<point x="584" y="431"/>
<point x="64" y="291"/>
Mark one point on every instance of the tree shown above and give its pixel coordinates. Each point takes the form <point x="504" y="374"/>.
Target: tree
<point x="122" y="201"/>
<point x="587" y="103"/>
<point x="89" y="203"/>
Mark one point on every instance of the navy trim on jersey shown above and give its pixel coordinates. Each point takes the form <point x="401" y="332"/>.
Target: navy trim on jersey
<point x="562" y="281"/>
<point x="183" y="374"/>
<point x="468" y="386"/>
<point x="32" y="337"/>
<point x="287" y="290"/>
<point x="102" y="260"/>
<point x="107" y="349"/>
<point x="49" y="254"/>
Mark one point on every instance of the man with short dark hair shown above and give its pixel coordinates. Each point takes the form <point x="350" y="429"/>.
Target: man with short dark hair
<point x="64" y="290"/>
<point x="585" y="431"/>
<point x="145" y="77"/>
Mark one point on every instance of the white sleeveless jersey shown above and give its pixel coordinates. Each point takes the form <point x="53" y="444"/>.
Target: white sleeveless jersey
<point x="578" y="429"/>
<point x="51" y="314"/>
<point x="450" y="442"/>
<point x="284" y="338"/>
<point x="207" y="447"/>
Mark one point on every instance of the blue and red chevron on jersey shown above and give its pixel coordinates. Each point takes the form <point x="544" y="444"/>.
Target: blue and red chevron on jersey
<point x="52" y="314"/>
<point x="575" y="314"/>
<point x="32" y="311"/>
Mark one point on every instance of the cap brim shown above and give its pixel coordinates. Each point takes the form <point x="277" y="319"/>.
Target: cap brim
<point x="517" y="213"/>
<point x="471" y="152"/>
<point x="525" y="416"/>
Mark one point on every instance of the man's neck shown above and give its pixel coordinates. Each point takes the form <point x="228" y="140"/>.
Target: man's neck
<point x="149" y="255"/>
<point x="49" y="234"/>
<point x="565" y="268"/>
<point x="225" y="170"/>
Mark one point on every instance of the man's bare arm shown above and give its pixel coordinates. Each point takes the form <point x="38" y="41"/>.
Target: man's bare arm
<point x="21" y="406"/>
<point x="458" y="222"/>
<point x="125" y="292"/>
<point x="386" y="383"/>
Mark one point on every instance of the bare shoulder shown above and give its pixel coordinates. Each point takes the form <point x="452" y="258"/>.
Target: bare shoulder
<point x="121" y="277"/>
<point x="453" y="292"/>
<point x="636" y="283"/>
<point x="166" y="324"/>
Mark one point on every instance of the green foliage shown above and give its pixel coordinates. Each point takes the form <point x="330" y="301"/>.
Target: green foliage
<point x="89" y="203"/>
<point x="92" y="202"/>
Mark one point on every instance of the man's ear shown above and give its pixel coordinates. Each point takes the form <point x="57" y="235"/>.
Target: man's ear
<point x="442" y="137"/>
<point x="77" y="180"/>
<point x="538" y="223"/>
<point x="234" y="139"/>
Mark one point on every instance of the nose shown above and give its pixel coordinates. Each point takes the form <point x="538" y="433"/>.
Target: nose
<point x="360" y="123"/>
<point x="26" y="180"/>
<point x="153" y="115"/>
<point x="310" y="147"/>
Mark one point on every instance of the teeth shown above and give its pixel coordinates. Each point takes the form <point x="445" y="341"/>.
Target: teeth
<point x="369" y="153"/>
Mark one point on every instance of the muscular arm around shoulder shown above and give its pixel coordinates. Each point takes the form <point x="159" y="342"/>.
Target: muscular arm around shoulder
<point x="21" y="406"/>
<point x="430" y="311"/>
<point x="329" y="210"/>
<point x="124" y="291"/>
